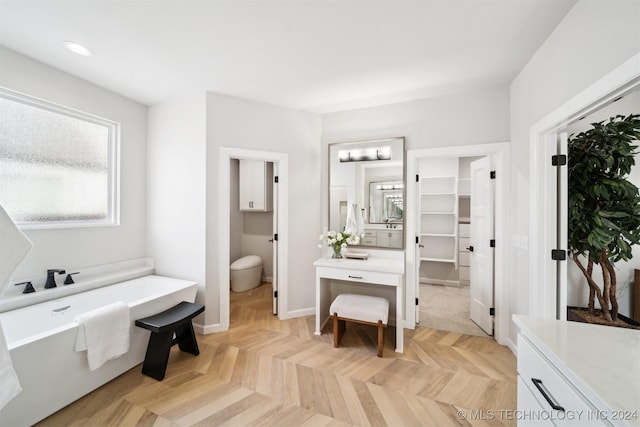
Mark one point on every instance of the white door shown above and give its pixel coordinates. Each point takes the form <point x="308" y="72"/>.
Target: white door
<point x="481" y="251"/>
<point x="275" y="240"/>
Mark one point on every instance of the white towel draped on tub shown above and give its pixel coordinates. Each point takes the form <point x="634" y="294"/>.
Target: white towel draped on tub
<point x="8" y="378"/>
<point x="104" y="333"/>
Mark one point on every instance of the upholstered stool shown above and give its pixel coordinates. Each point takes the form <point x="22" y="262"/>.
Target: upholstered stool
<point x="365" y="309"/>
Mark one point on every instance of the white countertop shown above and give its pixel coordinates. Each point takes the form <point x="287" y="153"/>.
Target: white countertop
<point x="387" y="265"/>
<point x="602" y="361"/>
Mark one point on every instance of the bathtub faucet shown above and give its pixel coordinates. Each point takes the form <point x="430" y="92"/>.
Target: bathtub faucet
<point x="51" y="281"/>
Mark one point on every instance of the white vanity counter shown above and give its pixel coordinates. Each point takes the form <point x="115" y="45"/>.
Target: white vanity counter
<point x="601" y="365"/>
<point x="385" y="272"/>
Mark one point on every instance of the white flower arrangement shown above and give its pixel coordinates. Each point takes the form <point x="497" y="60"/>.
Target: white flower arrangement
<point x="338" y="241"/>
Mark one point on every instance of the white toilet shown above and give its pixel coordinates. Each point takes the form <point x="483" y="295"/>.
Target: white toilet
<point x="246" y="273"/>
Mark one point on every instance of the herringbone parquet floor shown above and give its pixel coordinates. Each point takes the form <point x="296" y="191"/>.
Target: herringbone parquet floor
<point x="267" y="372"/>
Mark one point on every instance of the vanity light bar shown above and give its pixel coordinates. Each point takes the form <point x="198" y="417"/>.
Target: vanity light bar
<point x="390" y="187"/>
<point x="365" y="154"/>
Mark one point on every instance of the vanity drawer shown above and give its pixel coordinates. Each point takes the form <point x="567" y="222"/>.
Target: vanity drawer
<point x="370" y="241"/>
<point x="533" y="365"/>
<point x="528" y="404"/>
<point x="353" y="275"/>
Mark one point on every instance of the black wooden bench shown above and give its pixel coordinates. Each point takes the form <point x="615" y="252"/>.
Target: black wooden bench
<point x="163" y="326"/>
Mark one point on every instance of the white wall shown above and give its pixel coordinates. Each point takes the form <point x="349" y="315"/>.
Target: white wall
<point x="472" y="118"/>
<point x="466" y="119"/>
<point x="593" y="39"/>
<point x="72" y="248"/>
<point x="238" y="123"/>
<point x="176" y="158"/>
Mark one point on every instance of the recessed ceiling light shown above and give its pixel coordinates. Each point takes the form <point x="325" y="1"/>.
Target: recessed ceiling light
<point x="78" y="48"/>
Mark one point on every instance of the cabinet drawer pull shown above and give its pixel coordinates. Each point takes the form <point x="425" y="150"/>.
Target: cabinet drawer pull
<point x="355" y="277"/>
<point x="547" y="396"/>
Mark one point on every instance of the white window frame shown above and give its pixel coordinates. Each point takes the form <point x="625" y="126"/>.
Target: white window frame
<point x="113" y="189"/>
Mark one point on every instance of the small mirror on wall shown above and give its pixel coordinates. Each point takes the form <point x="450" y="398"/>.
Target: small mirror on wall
<point x="367" y="191"/>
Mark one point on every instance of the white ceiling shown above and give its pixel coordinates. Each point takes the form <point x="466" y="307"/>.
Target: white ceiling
<point x="316" y="55"/>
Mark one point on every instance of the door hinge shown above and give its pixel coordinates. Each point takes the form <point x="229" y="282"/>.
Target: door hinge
<point x="558" y="254"/>
<point x="275" y="294"/>
<point x="275" y="237"/>
<point x="492" y="243"/>
<point x="417" y="178"/>
<point x="492" y="175"/>
<point x="492" y="311"/>
<point x="417" y="240"/>
<point x="417" y="301"/>
<point x="275" y="179"/>
<point x="559" y="160"/>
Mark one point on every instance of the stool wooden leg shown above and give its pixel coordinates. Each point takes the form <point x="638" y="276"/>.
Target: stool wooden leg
<point x="380" y="338"/>
<point x="336" y="330"/>
<point x="157" y="357"/>
<point x="186" y="339"/>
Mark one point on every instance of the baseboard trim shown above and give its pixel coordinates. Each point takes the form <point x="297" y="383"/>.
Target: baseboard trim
<point x="207" y="329"/>
<point x="512" y="347"/>
<point x="298" y="313"/>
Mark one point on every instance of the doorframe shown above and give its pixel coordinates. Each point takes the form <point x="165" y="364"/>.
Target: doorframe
<point x="224" y="219"/>
<point x="542" y="225"/>
<point x="500" y="153"/>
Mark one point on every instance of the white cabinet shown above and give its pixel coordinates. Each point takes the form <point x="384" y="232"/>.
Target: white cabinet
<point x="545" y="385"/>
<point x="256" y="186"/>
<point x="389" y="238"/>
<point x="370" y="238"/>
<point x="577" y="374"/>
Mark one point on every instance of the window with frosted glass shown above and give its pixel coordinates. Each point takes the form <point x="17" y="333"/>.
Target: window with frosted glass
<point x="57" y="165"/>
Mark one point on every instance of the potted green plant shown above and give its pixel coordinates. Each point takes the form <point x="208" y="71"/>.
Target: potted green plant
<point x="604" y="207"/>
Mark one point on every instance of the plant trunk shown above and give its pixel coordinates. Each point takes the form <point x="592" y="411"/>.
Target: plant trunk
<point x="593" y="286"/>
<point x="612" y="289"/>
<point x="606" y="282"/>
<point x="592" y="293"/>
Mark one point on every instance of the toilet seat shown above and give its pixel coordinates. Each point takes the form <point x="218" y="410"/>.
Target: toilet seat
<point x="244" y="263"/>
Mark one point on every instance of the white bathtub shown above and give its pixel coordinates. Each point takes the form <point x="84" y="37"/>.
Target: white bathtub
<point x="41" y="341"/>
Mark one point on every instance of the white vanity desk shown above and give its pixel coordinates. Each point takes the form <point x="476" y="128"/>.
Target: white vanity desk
<point x="370" y="272"/>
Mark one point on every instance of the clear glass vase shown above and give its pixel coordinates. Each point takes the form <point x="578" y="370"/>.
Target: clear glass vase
<point x="337" y="252"/>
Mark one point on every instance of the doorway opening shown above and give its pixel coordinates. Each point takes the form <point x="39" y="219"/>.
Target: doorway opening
<point x="446" y="279"/>
<point x="273" y="247"/>
<point x="253" y="245"/>
<point x="548" y="199"/>
<point x="448" y="201"/>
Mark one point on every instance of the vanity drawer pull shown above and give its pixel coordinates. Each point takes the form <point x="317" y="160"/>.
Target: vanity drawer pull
<point x="355" y="277"/>
<point x="547" y="396"/>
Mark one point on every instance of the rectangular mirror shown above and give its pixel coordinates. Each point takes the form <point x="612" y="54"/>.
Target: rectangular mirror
<point x="367" y="191"/>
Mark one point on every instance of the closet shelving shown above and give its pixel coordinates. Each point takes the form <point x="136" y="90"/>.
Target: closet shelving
<point x="439" y="220"/>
